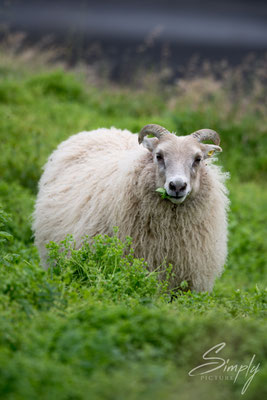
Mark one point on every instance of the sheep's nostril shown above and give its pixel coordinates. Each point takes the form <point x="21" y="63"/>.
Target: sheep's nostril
<point x="183" y="187"/>
<point x="172" y="186"/>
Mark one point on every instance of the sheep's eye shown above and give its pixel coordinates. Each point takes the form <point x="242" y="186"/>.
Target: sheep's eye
<point x="159" y="157"/>
<point x="197" y="160"/>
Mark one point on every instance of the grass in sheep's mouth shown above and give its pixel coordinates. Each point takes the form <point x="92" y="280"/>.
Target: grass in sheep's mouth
<point x="164" y="194"/>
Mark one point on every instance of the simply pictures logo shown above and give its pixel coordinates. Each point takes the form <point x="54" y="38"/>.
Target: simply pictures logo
<point x="246" y="372"/>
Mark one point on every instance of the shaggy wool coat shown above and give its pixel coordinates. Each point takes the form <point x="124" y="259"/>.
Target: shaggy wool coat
<point x="100" y="179"/>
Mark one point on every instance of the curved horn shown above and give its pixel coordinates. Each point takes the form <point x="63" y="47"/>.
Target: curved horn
<point x="207" y="134"/>
<point x="152" y="129"/>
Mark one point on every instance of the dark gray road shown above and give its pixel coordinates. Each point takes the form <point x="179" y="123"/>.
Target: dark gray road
<point x="129" y="31"/>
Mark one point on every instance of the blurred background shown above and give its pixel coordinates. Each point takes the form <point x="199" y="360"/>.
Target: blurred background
<point x="151" y="34"/>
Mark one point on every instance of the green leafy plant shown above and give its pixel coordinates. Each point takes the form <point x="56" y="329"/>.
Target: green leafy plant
<point x="4" y="219"/>
<point x="163" y="193"/>
<point x="106" y="266"/>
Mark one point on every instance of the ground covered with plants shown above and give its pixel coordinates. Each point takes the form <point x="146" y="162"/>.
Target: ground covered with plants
<point x="98" y="326"/>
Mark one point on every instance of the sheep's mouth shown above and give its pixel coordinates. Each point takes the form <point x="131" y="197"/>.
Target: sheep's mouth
<point x="177" y="199"/>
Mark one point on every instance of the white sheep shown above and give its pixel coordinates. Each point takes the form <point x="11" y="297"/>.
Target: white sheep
<point x="97" y="180"/>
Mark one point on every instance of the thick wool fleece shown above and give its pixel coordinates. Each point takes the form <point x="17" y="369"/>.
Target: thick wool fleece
<point x="100" y="179"/>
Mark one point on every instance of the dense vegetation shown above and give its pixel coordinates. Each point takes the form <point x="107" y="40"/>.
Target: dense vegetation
<point x="98" y="326"/>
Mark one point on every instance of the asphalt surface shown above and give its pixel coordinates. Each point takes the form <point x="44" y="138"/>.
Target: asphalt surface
<point x="127" y="32"/>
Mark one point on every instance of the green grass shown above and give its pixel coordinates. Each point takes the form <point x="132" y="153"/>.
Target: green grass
<point x="99" y="326"/>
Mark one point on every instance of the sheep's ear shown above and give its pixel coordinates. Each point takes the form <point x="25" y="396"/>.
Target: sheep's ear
<point x="209" y="150"/>
<point x="150" y="143"/>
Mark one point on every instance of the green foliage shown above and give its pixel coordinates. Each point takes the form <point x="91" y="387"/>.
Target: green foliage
<point x="4" y="218"/>
<point x="248" y="232"/>
<point x="97" y="324"/>
<point x="4" y="237"/>
<point x="63" y="86"/>
<point x="105" y="268"/>
<point x="163" y="193"/>
<point x="18" y="202"/>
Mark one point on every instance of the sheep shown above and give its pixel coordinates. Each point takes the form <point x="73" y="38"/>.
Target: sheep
<point x="100" y="179"/>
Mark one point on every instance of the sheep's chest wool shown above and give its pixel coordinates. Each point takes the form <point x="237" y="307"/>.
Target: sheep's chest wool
<point x="192" y="236"/>
<point x="100" y="179"/>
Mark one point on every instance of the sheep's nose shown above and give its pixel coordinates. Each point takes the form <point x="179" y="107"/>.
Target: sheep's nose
<point x="177" y="186"/>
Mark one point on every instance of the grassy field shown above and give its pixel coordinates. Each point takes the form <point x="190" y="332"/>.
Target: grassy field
<point x="95" y="332"/>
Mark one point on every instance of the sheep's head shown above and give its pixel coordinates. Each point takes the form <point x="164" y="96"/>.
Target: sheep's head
<point x="179" y="160"/>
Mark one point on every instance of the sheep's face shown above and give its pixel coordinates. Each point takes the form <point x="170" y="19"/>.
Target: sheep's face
<point x="179" y="162"/>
